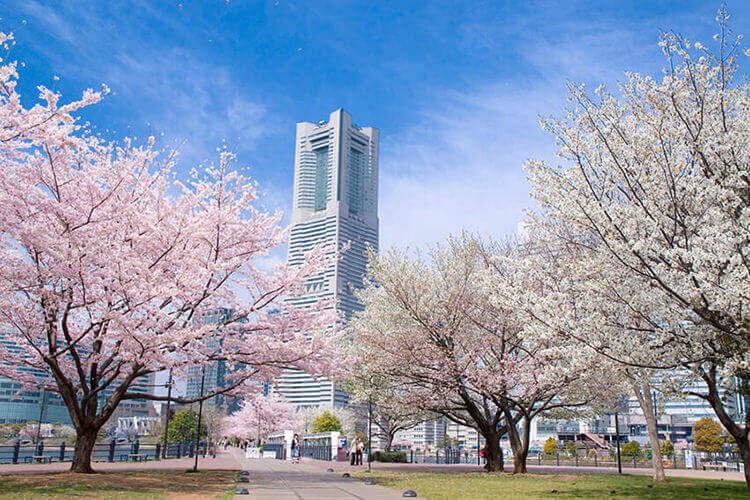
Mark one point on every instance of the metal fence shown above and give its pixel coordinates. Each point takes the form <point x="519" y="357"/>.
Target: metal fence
<point x="278" y="448"/>
<point x="316" y="451"/>
<point x="103" y="452"/>
<point x="602" y="459"/>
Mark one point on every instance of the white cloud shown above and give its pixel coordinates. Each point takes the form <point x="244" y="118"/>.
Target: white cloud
<point x="460" y="167"/>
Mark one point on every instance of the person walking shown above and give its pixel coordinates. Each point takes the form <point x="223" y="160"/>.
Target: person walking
<point x="295" y="449"/>
<point x="353" y="451"/>
<point x="360" y="450"/>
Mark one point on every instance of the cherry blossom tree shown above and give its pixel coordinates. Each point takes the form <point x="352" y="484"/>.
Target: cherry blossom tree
<point x="571" y="301"/>
<point x="434" y="329"/>
<point x="654" y="186"/>
<point x="261" y="413"/>
<point x="108" y="263"/>
<point x="564" y="378"/>
<point x="376" y="400"/>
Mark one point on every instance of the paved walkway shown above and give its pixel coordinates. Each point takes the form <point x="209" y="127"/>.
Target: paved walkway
<point x="223" y="461"/>
<point x="283" y="480"/>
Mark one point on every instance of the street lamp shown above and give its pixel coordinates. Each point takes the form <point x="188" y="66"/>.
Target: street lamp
<point x="200" y="414"/>
<point x="166" y="424"/>
<point x="369" y="435"/>
<point x="41" y="416"/>
<point x="617" y="434"/>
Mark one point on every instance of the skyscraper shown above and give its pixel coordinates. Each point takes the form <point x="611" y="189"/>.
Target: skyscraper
<point x="335" y="201"/>
<point x="213" y="374"/>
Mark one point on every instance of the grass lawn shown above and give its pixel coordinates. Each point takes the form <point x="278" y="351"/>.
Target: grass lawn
<point x="476" y="485"/>
<point x="141" y="484"/>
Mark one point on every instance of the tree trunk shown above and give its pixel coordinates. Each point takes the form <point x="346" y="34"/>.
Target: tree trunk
<point x="85" y="441"/>
<point x="744" y="448"/>
<point x="518" y="443"/>
<point x="739" y="433"/>
<point x="643" y="393"/>
<point x="388" y="441"/>
<point x="520" y="454"/>
<point x="493" y="453"/>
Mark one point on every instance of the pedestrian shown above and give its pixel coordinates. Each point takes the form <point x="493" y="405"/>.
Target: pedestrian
<point x="360" y="450"/>
<point x="353" y="451"/>
<point x="295" y="449"/>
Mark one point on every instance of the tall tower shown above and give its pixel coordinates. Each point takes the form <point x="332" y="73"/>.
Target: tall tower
<point x="335" y="200"/>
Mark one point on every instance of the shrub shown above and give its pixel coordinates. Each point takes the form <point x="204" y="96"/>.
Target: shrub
<point x="632" y="448"/>
<point x="707" y="432"/>
<point x="550" y="446"/>
<point x="571" y="447"/>
<point x="326" y="422"/>
<point x="667" y="448"/>
<point x="392" y="456"/>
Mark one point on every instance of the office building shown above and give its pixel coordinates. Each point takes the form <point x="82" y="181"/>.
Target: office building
<point x="35" y="405"/>
<point x="214" y="374"/>
<point x="335" y="201"/>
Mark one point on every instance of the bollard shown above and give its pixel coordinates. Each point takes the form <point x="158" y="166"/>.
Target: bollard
<point x="16" y="450"/>
<point x="576" y="455"/>
<point x="157" y="449"/>
<point x="40" y="447"/>
<point x="112" y="444"/>
<point x="558" y="459"/>
<point x="179" y="449"/>
<point x="635" y="466"/>
<point x="596" y="464"/>
<point x="136" y="446"/>
<point x="62" y="451"/>
<point x="539" y="458"/>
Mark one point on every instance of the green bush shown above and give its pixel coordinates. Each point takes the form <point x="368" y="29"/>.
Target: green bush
<point x="326" y="422"/>
<point x="392" y="456"/>
<point x="571" y="447"/>
<point x="707" y="433"/>
<point x="550" y="446"/>
<point x="632" y="448"/>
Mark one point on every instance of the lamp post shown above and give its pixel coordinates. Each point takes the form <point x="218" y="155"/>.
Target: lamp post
<point x="166" y="423"/>
<point x="41" y="415"/>
<point x="369" y="435"/>
<point x="200" y="414"/>
<point x="617" y="436"/>
<point x="257" y="441"/>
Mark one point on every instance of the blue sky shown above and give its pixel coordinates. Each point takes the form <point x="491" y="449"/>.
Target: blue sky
<point x="455" y="88"/>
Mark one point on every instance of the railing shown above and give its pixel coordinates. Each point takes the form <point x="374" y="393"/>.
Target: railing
<point x="316" y="451"/>
<point x="278" y="448"/>
<point x="602" y="459"/>
<point x="441" y="457"/>
<point x="102" y="452"/>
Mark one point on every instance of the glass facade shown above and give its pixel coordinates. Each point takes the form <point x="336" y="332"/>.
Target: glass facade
<point x="338" y="204"/>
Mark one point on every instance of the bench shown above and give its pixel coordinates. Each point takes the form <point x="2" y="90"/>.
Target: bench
<point x="41" y="458"/>
<point x="138" y="457"/>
